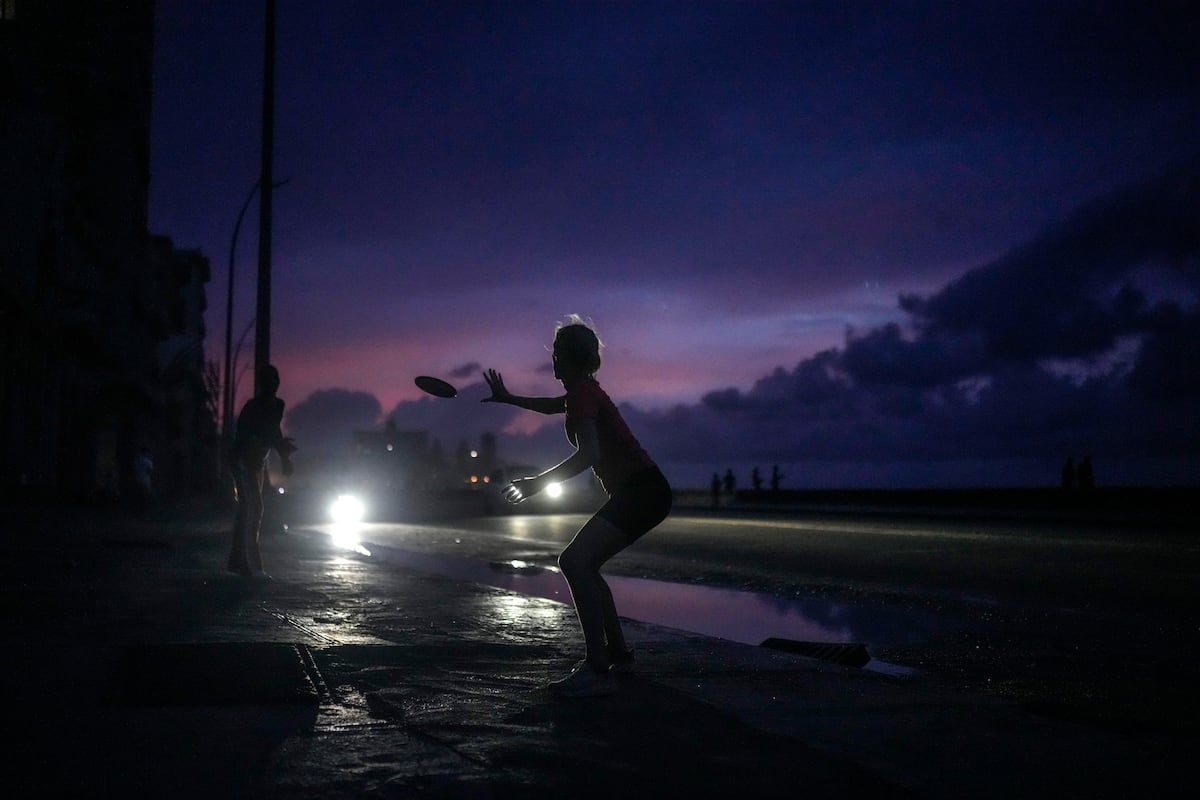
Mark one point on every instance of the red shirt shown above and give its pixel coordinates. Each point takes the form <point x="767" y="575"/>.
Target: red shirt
<point x="620" y="454"/>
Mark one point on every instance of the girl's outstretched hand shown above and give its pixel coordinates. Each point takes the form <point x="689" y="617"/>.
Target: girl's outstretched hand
<point x="495" y="382"/>
<point x="521" y="488"/>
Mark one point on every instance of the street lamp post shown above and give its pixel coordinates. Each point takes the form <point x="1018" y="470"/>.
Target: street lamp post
<point x="262" y="331"/>
<point x="227" y="385"/>
<point x="263" y="318"/>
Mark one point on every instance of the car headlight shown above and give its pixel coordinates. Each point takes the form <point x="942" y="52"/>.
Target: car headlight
<point x="554" y="490"/>
<point x="346" y="509"/>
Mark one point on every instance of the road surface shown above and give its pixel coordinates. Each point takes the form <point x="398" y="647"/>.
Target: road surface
<point x="1084" y="620"/>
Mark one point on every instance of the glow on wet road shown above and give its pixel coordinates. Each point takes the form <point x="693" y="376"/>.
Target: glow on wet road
<point x="740" y="616"/>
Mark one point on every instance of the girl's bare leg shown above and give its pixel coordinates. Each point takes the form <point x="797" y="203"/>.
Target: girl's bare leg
<point x="255" y="514"/>
<point x="597" y="542"/>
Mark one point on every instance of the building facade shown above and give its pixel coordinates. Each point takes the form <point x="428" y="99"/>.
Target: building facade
<point x="95" y="314"/>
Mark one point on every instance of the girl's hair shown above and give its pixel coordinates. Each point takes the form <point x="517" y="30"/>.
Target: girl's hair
<point x="579" y="343"/>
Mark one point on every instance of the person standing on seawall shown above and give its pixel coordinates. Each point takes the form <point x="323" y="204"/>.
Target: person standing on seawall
<point x="639" y="499"/>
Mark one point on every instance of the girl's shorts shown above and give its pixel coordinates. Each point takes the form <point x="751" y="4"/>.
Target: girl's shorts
<point x="641" y="503"/>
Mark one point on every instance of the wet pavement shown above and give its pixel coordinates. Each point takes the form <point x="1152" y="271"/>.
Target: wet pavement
<point x="137" y="666"/>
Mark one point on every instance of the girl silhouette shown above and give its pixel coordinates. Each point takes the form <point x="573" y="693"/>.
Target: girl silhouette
<point x="639" y="499"/>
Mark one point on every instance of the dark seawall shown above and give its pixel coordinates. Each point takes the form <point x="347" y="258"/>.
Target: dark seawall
<point x="1162" y="506"/>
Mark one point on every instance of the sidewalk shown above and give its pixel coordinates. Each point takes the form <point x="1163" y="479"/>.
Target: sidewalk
<point x="138" y="667"/>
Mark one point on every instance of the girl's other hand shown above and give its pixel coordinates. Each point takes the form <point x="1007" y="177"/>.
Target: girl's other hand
<point x="495" y="382"/>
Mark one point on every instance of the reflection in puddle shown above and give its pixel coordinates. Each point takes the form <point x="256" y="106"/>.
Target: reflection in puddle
<point x="346" y="536"/>
<point x="747" y="617"/>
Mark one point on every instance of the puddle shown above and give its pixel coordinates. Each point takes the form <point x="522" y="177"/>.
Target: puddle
<point x="739" y="616"/>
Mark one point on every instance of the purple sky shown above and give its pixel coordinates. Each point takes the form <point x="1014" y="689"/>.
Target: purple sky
<point x="879" y="244"/>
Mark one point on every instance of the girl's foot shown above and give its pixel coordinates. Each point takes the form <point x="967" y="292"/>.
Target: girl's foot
<point x="583" y="681"/>
<point x="622" y="662"/>
<point x="239" y="569"/>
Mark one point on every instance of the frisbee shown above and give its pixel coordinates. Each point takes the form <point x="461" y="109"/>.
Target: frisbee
<point x="435" y="386"/>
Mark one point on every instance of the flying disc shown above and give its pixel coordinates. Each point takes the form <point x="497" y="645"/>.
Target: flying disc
<point x="435" y="386"/>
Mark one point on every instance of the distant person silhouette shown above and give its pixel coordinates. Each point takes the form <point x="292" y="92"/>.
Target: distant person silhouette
<point x="143" y="474"/>
<point x="730" y="482"/>
<point x="1087" y="480"/>
<point x="1067" y="479"/>
<point x="257" y="435"/>
<point x="756" y="479"/>
<point x="776" y="478"/>
<point x="716" y="490"/>
<point x="109" y="489"/>
<point x="639" y="499"/>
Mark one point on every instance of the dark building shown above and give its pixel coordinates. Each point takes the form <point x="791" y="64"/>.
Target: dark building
<point x="398" y="459"/>
<point x="95" y="314"/>
<point x="187" y="386"/>
<point x="408" y="459"/>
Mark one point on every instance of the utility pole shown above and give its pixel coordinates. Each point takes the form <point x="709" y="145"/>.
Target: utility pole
<point x="262" y="331"/>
